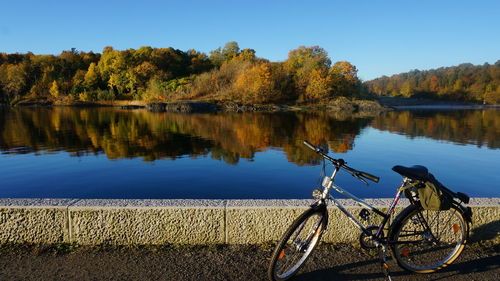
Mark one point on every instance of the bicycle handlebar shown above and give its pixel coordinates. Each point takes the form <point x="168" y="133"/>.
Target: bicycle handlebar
<point x="369" y="176"/>
<point x="341" y="163"/>
<point x="310" y="146"/>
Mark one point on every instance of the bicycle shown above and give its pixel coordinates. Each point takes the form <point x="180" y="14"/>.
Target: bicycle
<point x="421" y="240"/>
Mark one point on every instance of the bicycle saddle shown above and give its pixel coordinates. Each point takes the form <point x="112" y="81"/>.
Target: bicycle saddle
<point x="415" y="172"/>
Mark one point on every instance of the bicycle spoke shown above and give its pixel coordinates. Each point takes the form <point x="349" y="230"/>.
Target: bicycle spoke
<point x="298" y="245"/>
<point x="427" y="239"/>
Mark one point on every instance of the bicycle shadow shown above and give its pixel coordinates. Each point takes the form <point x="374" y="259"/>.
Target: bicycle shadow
<point x="487" y="231"/>
<point x="370" y="270"/>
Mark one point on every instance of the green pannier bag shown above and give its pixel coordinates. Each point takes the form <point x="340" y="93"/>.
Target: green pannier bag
<point x="433" y="195"/>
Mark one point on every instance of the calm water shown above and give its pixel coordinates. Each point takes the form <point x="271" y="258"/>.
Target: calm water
<point x="112" y="153"/>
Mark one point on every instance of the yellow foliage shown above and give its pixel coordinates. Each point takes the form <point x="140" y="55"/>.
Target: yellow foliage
<point x="86" y="96"/>
<point x="256" y="84"/>
<point x="319" y="86"/>
<point x="347" y="70"/>
<point x="54" y="90"/>
<point x="91" y="78"/>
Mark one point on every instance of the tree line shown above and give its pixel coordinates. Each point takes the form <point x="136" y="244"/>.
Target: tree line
<point x="166" y="74"/>
<point x="465" y="82"/>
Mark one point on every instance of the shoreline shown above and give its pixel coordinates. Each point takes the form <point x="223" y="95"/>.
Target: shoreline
<point x="364" y="106"/>
<point x="445" y="106"/>
<point x="358" y="106"/>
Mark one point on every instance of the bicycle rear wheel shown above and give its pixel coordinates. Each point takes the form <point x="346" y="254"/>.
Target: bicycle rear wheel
<point x="424" y="241"/>
<point x="297" y="243"/>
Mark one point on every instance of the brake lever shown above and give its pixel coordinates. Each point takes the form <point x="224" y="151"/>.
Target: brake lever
<point x="359" y="178"/>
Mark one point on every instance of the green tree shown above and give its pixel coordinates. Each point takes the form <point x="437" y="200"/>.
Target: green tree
<point x="143" y="73"/>
<point x="301" y="62"/>
<point x="220" y="55"/>
<point x="313" y="57"/>
<point x="118" y="82"/>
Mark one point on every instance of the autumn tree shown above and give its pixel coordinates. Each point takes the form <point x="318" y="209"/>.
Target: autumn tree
<point x="256" y="85"/>
<point x="465" y="82"/>
<point x="54" y="90"/>
<point x="13" y="78"/>
<point x="78" y="82"/>
<point x="319" y="86"/>
<point x="247" y="55"/>
<point x="313" y="57"/>
<point x="91" y="78"/>
<point x="199" y="62"/>
<point x="301" y="62"/>
<point x="228" y="73"/>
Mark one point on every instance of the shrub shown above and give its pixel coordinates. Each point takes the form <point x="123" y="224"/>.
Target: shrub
<point x="87" y="96"/>
<point x="105" y="95"/>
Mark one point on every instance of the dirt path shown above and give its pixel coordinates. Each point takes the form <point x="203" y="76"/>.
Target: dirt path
<point x="328" y="262"/>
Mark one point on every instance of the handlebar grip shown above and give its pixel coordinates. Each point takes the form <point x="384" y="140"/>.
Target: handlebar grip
<point x="369" y="176"/>
<point x="310" y="146"/>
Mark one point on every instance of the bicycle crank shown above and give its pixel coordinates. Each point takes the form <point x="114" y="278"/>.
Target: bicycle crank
<point x="366" y="241"/>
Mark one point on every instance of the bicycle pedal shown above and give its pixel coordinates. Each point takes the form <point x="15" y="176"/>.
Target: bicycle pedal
<point x="364" y="214"/>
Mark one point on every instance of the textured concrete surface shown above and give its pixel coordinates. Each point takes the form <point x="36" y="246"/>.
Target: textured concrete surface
<point x="28" y="224"/>
<point x="259" y="221"/>
<point x="187" y="221"/>
<point x="34" y="220"/>
<point x="147" y="221"/>
<point x="36" y="202"/>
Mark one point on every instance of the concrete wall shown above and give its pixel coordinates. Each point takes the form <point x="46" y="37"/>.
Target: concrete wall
<point x="189" y="221"/>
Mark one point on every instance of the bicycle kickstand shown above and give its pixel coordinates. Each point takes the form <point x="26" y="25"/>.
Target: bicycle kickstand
<point x="383" y="261"/>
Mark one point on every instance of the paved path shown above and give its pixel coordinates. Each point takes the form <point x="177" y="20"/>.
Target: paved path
<point x="221" y="263"/>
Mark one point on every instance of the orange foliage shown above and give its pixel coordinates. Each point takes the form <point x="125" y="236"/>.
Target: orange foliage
<point x="256" y="84"/>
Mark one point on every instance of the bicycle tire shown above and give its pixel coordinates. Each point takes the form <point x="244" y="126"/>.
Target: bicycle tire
<point x="315" y="219"/>
<point x="425" y="241"/>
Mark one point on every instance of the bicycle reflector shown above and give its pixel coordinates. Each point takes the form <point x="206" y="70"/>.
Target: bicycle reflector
<point x="405" y="252"/>
<point x="282" y="254"/>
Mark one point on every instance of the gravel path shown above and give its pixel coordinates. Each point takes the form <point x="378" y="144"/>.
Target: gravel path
<point x="328" y="262"/>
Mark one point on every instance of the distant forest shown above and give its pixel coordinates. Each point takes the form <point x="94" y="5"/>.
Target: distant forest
<point x="466" y="82"/>
<point x="167" y="74"/>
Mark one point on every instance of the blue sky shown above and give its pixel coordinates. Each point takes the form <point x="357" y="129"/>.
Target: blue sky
<point x="379" y="37"/>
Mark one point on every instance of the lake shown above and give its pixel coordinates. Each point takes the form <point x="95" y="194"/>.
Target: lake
<point x="68" y="152"/>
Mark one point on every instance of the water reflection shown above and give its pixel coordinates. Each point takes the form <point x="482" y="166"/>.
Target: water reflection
<point x="224" y="136"/>
<point x="478" y="127"/>
<point x="139" y="133"/>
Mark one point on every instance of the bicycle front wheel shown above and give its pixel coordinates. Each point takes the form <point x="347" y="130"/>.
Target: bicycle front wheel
<point x="424" y="241"/>
<point x="297" y="243"/>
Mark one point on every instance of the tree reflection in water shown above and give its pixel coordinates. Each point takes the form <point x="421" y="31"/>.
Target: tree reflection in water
<point x="224" y="136"/>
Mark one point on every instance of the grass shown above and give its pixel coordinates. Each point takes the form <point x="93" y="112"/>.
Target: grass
<point x="68" y="248"/>
<point x="63" y="248"/>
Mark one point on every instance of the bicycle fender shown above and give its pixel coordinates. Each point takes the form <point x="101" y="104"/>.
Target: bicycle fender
<point x="466" y="211"/>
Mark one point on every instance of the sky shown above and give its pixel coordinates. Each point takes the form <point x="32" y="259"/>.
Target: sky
<point x="378" y="37"/>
